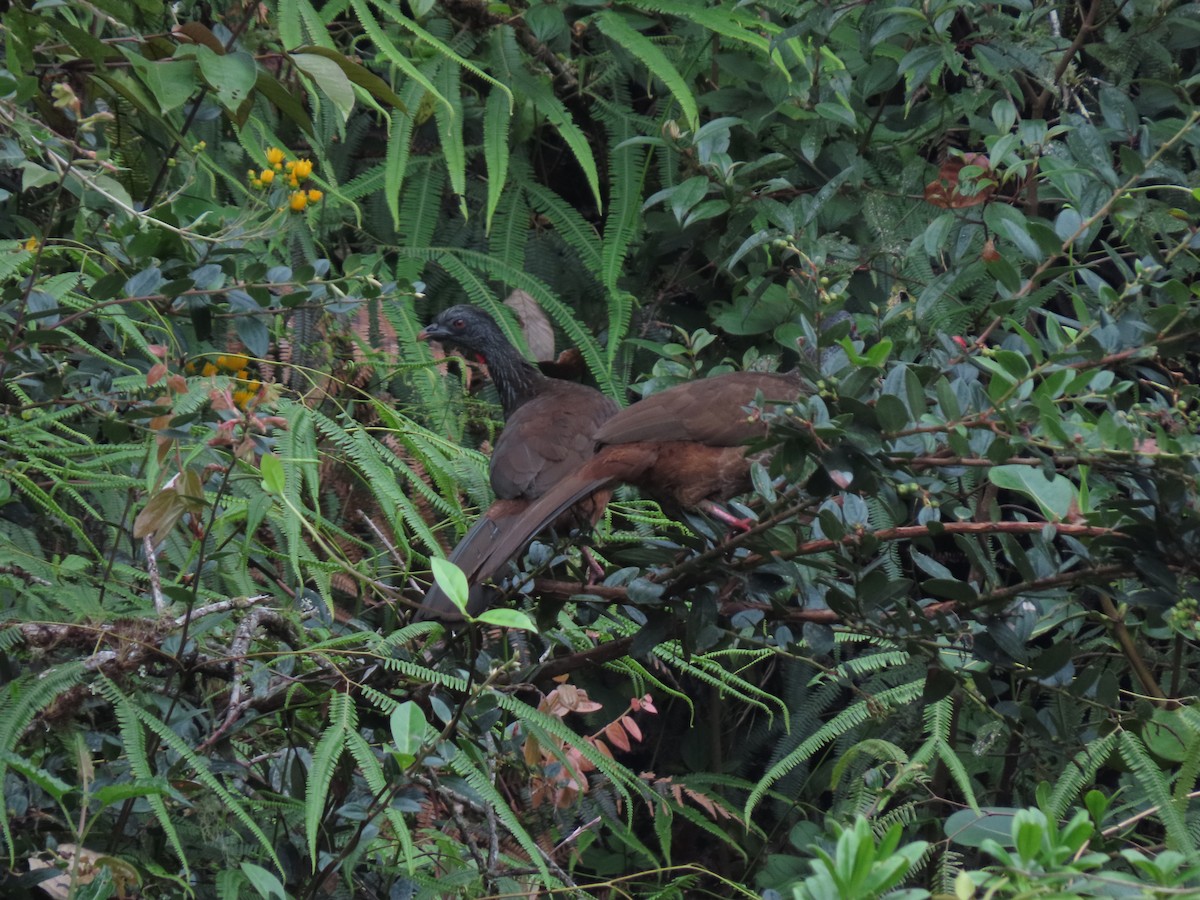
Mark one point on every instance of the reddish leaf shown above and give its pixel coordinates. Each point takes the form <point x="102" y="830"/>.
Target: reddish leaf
<point x="616" y="734"/>
<point x="632" y="727"/>
<point x="946" y="190"/>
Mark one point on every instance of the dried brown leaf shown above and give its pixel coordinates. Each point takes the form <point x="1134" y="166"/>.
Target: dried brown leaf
<point x="539" y="333"/>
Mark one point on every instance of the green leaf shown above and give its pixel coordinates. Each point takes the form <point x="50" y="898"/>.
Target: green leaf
<point x="409" y="728"/>
<point x="452" y="581"/>
<point x="170" y="82"/>
<point x="645" y="51"/>
<point x="116" y="793"/>
<point x="51" y="784"/>
<point x="970" y="829"/>
<point x="836" y="112"/>
<point x="507" y="618"/>
<point x="328" y="76"/>
<point x="1057" y="497"/>
<point x="231" y="76"/>
<point x="546" y="21"/>
<point x="272" y="474"/>
<point x="497" y="116"/>
<point x="266" y="883"/>
<point x="450" y="133"/>
<point x="356" y="73"/>
<point x="1011" y="223"/>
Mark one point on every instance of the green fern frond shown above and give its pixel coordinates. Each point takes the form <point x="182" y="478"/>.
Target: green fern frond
<point x="884" y="659"/>
<point x="343" y="720"/>
<point x="419" y="674"/>
<point x="440" y="46"/>
<point x="627" y="176"/>
<point x="556" y="113"/>
<point x="509" y="234"/>
<point x="450" y="132"/>
<point x="573" y="228"/>
<point x="187" y="755"/>
<point x="482" y="785"/>
<point x="1154" y="782"/>
<point x="23" y="699"/>
<point x="496" y="118"/>
<point x="730" y="22"/>
<point x="34" y="493"/>
<point x="709" y="671"/>
<point x="841" y="724"/>
<point x="133" y="736"/>
<point x="379" y="782"/>
<point x="614" y="27"/>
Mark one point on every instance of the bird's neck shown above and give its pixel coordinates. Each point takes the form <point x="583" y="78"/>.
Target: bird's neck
<point x="516" y="379"/>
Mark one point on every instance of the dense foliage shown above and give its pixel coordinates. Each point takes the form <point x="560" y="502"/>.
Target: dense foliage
<point x="957" y="651"/>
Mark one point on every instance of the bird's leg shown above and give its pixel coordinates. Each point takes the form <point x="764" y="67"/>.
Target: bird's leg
<point x="595" y="570"/>
<point x="723" y="515"/>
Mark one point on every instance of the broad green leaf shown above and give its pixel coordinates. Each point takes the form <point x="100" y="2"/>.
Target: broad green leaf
<point x="327" y="75"/>
<point x="1011" y="223"/>
<point x="1057" y="498"/>
<point x="507" y="618"/>
<point x="970" y="829"/>
<point x="266" y="883"/>
<point x="272" y="474"/>
<point x="231" y="76"/>
<point x="409" y="728"/>
<point x="452" y="581"/>
<point x="171" y="82"/>
<point x="358" y="74"/>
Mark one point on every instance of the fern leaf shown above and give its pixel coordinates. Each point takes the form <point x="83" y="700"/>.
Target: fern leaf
<point x="1154" y="782"/>
<point x="396" y="162"/>
<point x="729" y="22"/>
<point x="558" y="116"/>
<point x="389" y="50"/>
<point x="568" y="223"/>
<point x="644" y="50"/>
<point x="848" y="719"/>
<point x="379" y="782"/>
<point x="450" y="133"/>
<point x="343" y="719"/>
<point x="393" y="13"/>
<point x="133" y="736"/>
<point x="23" y="699"/>
<point x="483" y="786"/>
<point x="496" y="117"/>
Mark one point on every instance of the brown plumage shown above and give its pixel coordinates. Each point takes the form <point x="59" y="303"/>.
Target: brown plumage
<point x="550" y="431"/>
<point x="683" y="446"/>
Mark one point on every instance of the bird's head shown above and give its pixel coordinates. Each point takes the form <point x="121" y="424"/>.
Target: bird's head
<point x="468" y="327"/>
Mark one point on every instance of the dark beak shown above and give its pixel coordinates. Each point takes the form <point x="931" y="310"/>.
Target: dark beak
<point x="430" y="333"/>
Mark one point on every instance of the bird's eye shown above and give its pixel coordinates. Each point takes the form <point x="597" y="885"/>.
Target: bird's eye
<point x="459" y="323"/>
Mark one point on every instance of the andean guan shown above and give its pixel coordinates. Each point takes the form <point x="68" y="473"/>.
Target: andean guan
<point x="684" y="446"/>
<point x="550" y="432"/>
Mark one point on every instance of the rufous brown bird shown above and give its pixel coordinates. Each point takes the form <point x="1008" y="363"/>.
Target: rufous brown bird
<point x="685" y="446"/>
<point x="549" y="433"/>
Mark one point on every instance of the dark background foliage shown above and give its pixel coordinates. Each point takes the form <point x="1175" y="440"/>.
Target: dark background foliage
<point x="955" y="652"/>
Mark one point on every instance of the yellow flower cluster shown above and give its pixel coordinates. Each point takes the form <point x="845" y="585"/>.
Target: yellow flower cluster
<point x="236" y="365"/>
<point x="294" y="171"/>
